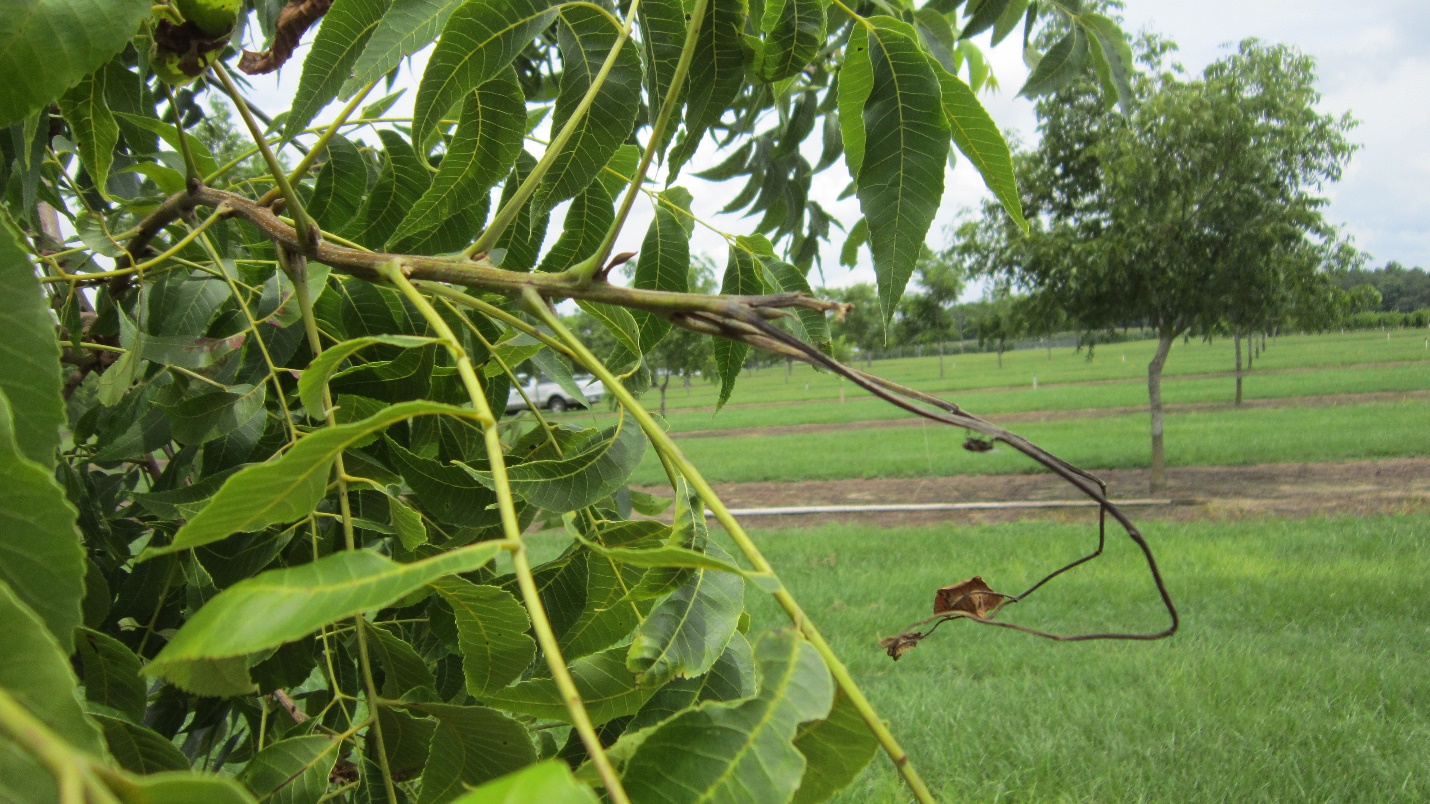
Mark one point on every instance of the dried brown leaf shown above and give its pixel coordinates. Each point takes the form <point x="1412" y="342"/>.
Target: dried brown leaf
<point x="973" y="596"/>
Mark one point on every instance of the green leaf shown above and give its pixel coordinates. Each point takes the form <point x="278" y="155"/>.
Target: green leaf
<point x="1063" y="63"/>
<point x="215" y="414"/>
<point x="479" y="40"/>
<point x="717" y="74"/>
<point x="288" y="487"/>
<point x="586" y="37"/>
<point x="43" y="561"/>
<point x="29" y="356"/>
<point x="607" y="688"/>
<point x="292" y="771"/>
<point x="619" y="321"/>
<point x="978" y="137"/>
<point x="140" y="750"/>
<point x="794" y="33"/>
<point x="92" y="126"/>
<point x="341" y="185"/>
<point x="835" y="750"/>
<point x="663" y="27"/>
<point x="34" y="669"/>
<point x="548" y="782"/>
<point x="178" y="787"/>
<point x="688" y="532"/>
<point x="856" y="81"/>
<point x="325" y="365"/>
<point x="491" y="631"/>
<point x="484" y="146"/>
<point x="111" y="674"/>
<point x="407" y="27"/>
<point x="402" y="181"/>
<point x="283" y="605"/>
<point x="1008" y="20"/>
<point x="48" y="46"/>
<point x="743" y="277"/>
<point x="755" y="759"/>
<point x="587" y="219"/>
<point x="858" y="236"/>
<point x="513" y="352"/>
<point x="472" y="744"/>
<point x="731" y="678"/>
<point x="983" y="16"/>
<point x="663" y="264"/>
<point x="346" y="29"/>
<point x="786" y="278"/>
<point x="1113" y="57"/>
<point x="687" y="632"/>
<point x="411" y="531"/>
<point x="404" y="671"/>
<point x="589" y="473"/>
<point x="203" y="157"/>
<point x="520" y="244"/>
<point x="605" y="616"/>
<point x="448" y="493"/>
<point x="901" y="179"/>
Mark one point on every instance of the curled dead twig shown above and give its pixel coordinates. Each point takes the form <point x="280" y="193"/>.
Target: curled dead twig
<point x="293" y="21"/>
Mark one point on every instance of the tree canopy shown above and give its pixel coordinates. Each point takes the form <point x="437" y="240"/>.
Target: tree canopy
<point x="1197" y="212"/>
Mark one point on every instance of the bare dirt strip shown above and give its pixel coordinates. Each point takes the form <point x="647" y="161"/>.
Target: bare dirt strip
<point x="1325" y="400"/>
<point x="1358" y="488"/>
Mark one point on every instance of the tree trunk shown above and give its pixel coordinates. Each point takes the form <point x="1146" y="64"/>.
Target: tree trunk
<point x="1236" y="338"/>
<point x="1154" y="397"/>
<point x="664" y="385"/>
<point x="940" y="360"/>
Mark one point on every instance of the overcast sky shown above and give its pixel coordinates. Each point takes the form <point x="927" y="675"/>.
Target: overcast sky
<point x="1371" y="59"/>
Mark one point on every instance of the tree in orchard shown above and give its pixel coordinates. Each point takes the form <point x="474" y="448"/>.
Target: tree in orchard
<point x="1195" y="211"/>
<point x="683" y="353"/>
<point x="271" y="510"/>
<point x="927" y="314"/>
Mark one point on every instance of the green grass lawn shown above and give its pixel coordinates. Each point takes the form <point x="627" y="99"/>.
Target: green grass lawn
<point x="1124" y="361"/>
<point x="1299" y="673"/>
<point x="1222" y="437"/>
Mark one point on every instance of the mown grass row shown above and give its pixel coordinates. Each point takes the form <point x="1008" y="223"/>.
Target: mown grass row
<point x="1298" y="675"/>
<point x="1209" y="438"/>
<point x="1128" y="393"/>
<point x="1124" y="361"/>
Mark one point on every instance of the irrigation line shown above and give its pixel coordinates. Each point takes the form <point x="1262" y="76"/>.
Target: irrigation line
<point x="800" y="510"/>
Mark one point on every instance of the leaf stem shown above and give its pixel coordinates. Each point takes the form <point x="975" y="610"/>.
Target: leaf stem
<point x="295" y="266"/>
<point x="587" y="270"/>
<point x="321" y="145"/>
<point x="396" y="273"/>
<point x="178" y="246"/>
<point x="71" y="767"/>
<point x="665" y="444"/>
<point x="307" y="234"/>
<point x="509" y="211"/>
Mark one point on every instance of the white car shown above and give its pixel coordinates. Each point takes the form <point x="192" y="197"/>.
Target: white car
<point x="546" y="394"/>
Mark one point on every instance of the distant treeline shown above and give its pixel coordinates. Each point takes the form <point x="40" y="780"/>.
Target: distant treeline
<point x="1400" y="289"/>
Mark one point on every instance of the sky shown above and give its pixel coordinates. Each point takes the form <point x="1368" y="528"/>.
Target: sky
<point x="1371" y="62"/>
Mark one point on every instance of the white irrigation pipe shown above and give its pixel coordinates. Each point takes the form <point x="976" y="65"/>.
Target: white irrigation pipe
<point x="799" y="510"/>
